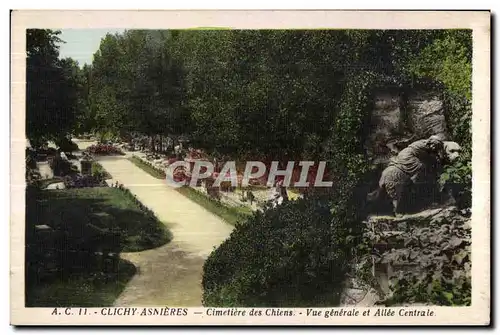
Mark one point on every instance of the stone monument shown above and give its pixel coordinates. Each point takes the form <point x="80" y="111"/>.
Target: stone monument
<point x="413" y="174"/>
<point x="86" y="165"/>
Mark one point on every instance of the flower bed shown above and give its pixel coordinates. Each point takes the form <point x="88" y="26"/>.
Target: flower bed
<point x="104" y="150"/>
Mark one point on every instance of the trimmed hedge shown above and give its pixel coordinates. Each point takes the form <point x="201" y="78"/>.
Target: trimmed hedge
<point x="67" y="145"/>
<point x="290" y="255"/>
<point x="148" y="167"/>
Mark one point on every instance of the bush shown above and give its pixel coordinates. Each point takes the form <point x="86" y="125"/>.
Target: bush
<point x="83" y="181"/>
<point x="99" y="172"/>
<point x="67" y="145"/>
<point x="285" y="256"/>
<point x="457" y="178"/>
<point x="62" y="167"/>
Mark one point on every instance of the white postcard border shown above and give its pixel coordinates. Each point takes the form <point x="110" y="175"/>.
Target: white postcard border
<point x="479" y="21"/>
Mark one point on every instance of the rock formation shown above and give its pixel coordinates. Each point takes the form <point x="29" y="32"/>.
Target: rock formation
<point x="425" y="115"/>
<point x="419" y="249"/>
<point x="395" y="122"/>
<point x="420" y="257"/>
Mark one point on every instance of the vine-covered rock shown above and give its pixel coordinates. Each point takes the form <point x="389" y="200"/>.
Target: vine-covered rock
<point x="424" y="256"/>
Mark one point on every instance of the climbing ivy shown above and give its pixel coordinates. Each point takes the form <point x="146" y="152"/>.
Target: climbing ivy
<point x="430" y="256"/>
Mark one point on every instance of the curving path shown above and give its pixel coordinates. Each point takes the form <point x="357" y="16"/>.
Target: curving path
<point x="169" y="275"/>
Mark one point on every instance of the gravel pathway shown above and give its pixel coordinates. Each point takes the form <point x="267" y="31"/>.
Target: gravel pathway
<point x="169" y="275"/>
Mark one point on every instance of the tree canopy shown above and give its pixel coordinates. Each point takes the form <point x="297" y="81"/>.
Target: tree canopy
<point x="271" y="94"/>
<point x="258" y="95"/>
<point x="54" y="88"/>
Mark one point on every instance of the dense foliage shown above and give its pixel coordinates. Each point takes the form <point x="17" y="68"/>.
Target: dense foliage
<point x="54" y="89"/>
<point x="260" y="95"/>
<point x="286" y="256"/>
<point x="448" y="60"/>
<point x="430" y="257"/>
<point x="273" y="94"/>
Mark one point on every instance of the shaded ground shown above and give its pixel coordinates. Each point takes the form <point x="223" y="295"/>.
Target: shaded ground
<point x="77" y="210"/>
<point x="95" y="289"/>
<point x="73" y="238"/>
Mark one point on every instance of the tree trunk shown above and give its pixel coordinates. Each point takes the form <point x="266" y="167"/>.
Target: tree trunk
<point x="153" y="148"/>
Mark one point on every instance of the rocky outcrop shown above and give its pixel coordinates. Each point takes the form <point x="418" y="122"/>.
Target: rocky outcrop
<point x="425" y="115"/>
<point x="419" y="250"/>
<point x="397" y="120"/>
<point x="386" y="124"/>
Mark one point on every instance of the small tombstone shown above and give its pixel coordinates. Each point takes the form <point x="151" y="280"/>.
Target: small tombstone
<point x="86" y="165"/>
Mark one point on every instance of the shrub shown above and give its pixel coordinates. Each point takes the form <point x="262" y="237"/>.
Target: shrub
<point x="284" y="256"/>
<point x="457" y="178"/>
<point x="67" y="145"/>
<point x="83" y="181"/>
<point x="99" y="172"/>
<point x="62" y="167"/>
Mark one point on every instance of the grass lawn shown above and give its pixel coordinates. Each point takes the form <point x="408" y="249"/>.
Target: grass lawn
<point x="147" y="167"/>
<point x="229" y="214"/>
<point x="107" y="208"/>
<point x="85" y="220"/>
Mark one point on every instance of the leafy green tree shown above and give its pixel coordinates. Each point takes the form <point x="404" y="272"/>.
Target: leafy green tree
<point x="449" y="60"/>
<point x="52" y="88"/>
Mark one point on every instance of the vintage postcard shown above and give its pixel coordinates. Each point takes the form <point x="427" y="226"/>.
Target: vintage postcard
<point x="250" y="168"/>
